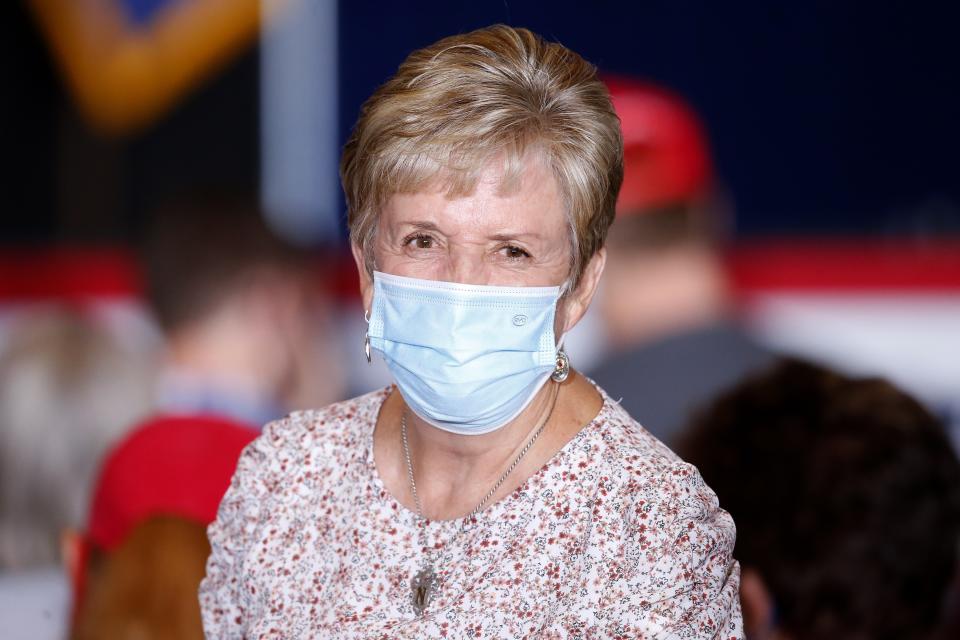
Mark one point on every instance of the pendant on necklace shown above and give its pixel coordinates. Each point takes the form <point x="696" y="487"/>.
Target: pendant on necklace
<point x="421" y="587"/>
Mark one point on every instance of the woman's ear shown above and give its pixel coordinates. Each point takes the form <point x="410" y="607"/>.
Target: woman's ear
<point x="575" y="303"/>
<point x="366" y="280"/>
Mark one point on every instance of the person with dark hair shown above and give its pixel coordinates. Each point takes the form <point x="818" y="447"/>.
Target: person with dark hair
<point x="846" y="495"/>
<point x="240" y="321"/>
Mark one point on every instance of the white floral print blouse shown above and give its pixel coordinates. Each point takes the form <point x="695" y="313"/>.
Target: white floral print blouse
<point x="614" y="537"/>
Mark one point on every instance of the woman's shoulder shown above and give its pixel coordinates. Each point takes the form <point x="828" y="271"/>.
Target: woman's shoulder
<point x="644" y="481"/>
<point x="673" y="569"/>
<point x="626" y="446"/>
<point x="641" y="470"/>
<point x="332" y="432"/>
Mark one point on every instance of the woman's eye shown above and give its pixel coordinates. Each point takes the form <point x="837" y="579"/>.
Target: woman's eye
<point x="420" y="241"/>
<point x="515" y="253"/>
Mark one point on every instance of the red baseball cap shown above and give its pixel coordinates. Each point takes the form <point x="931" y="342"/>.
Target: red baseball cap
<point x="169" y="465"/>
<point x="666" y="155"/>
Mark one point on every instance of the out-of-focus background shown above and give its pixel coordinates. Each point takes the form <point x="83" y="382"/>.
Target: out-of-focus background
<point x="153" y="145"/>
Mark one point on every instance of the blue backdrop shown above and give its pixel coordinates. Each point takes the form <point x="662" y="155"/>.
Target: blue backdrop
<point x="837" y="117"/>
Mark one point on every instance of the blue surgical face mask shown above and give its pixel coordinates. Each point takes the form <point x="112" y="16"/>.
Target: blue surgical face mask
<point x="466" y="358"/>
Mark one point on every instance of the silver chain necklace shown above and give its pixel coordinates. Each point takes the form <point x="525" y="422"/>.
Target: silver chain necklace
<point x="424" y="583"/>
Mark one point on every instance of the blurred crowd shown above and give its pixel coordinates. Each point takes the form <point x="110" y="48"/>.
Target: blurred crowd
<point x="114" y="455"/>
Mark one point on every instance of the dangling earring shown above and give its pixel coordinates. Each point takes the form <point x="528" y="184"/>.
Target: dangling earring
<point x="366" y="337"/>
<point x="562" y="370"/>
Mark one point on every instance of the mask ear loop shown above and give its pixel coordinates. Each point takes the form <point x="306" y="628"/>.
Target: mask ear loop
<point x="366" y="315"/>
<point x="561" y="370"/>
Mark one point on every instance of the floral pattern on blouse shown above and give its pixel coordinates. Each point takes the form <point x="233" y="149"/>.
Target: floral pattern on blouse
<point x="614" y="537"/>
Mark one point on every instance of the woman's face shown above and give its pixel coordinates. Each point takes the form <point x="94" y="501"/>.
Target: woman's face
<point x="518" y="238"/>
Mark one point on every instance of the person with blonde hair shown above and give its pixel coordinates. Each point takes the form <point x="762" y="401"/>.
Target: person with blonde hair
<point x="68" y="389"/>
<point x="492" y="491"/>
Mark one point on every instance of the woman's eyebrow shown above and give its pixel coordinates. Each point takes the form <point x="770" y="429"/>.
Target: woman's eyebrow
<point x="520" y="235"/>
<point x="421" y="225"/>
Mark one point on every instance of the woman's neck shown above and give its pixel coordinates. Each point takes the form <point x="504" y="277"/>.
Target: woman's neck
<point x="461" y="459"/>
<point x="454" y="472"/>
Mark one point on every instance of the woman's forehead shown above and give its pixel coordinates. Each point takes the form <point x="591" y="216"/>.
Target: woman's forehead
<point x="459" y="174"/>
<point x="530" y="204"/>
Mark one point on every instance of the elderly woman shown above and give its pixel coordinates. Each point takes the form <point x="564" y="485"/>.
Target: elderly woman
<point x="492" y="492"/>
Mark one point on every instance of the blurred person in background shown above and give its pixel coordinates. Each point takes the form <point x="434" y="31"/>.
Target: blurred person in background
<point x="67" y="391"/>
<point x="245" y="326"/>
<point x="665" y="303"/>
<point x="846" y="496"/>
<point x="136" y="566"/>
<point x="145" y="589"/>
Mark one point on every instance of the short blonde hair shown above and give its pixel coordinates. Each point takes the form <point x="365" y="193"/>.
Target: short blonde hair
<point x="454" y="106"/>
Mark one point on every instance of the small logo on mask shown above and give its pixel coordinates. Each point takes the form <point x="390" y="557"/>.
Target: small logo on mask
<point x="519" y="320"/>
